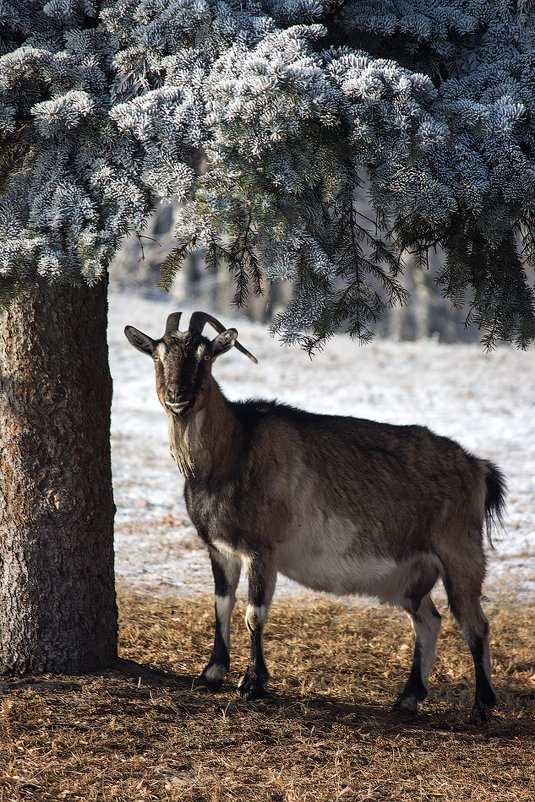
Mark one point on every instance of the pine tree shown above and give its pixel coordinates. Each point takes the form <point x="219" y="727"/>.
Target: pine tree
<point x="296" y="104"/>
<point x="289" y="106"/>
<point x="56" y="504"/>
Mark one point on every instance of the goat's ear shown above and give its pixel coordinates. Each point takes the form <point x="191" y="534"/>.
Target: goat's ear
<point x="224" y="342"/>
<point x="139" y="340"/>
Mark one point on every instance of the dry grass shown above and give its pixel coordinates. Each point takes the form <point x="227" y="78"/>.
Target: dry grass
<point x="325" y="732"/>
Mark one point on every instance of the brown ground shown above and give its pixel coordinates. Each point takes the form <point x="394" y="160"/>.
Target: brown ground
<point x="325" y="732"/>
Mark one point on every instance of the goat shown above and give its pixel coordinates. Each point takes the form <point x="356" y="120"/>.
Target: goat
<point x="339" y="504"/>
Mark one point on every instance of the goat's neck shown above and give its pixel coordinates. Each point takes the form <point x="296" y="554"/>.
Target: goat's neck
<point x="206" y="442"/>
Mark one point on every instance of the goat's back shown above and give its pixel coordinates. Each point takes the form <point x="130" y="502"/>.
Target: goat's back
<point x="400" y="477"/>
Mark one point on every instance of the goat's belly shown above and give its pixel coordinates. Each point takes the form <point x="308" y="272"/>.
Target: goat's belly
<point x="332" y="561"/>
<point x="385" y="579"/>
<point x="366" y="576"/>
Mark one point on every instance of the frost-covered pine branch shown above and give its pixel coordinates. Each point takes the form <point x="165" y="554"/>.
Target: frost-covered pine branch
<point x="70" y="188"/>
<point x="266" y="119"/>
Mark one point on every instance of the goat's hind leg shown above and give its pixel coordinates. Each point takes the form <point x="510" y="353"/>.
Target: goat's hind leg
<point x="226" y="577"/>
<point x="475" y="628"/>
<point x="426" y="621"/>
<point x="463" y="582"/>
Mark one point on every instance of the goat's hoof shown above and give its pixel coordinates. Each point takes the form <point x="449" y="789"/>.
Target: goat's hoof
<point x="480" y="713"/>
<point x="211" y="678"/>
<point x="250" y="688"/>
<point x="407" y="705"/>
<point x="484" y="701"/>
<point x="252" y="692"/>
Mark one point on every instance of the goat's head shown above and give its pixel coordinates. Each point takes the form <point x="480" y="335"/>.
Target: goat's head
<point x="183" y="359"/>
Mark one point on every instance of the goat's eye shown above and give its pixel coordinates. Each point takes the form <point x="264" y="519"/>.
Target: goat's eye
<point x="207" y="357"/>
<point x="155" y="357"/>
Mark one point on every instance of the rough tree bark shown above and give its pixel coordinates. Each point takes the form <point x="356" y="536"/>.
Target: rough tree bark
<point x="57" y="598"/>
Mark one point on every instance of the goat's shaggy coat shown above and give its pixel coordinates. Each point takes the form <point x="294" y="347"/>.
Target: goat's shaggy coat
<point x="336" y="503"/>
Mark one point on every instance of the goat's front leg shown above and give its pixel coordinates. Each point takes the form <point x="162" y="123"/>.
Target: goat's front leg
<point x="226" y="576"/>
<point x="262" y="578"/>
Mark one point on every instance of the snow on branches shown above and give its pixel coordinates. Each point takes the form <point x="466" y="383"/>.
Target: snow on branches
<point x="266" y="119"/>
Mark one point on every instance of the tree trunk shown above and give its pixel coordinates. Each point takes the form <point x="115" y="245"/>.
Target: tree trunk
<point x="57" y="598"/>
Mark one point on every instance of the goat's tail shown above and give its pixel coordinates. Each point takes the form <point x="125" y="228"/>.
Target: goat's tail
<point x="495" y="497"/>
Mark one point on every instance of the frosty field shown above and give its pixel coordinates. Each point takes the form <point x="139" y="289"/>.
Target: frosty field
<point x="483" y="400"/>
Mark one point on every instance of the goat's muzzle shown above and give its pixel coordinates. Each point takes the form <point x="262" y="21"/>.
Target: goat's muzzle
<point x="177" y="406"/>
<point x="176" y="401"/>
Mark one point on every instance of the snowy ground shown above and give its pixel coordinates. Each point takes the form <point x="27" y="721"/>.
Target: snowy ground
<point x="485" y="401"/>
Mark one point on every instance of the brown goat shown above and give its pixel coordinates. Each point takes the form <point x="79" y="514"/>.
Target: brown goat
<point x="336" y="503"/>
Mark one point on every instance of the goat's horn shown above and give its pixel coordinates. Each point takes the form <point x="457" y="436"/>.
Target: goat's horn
<point x="198" y="321"/>
<point x="172" y="323"/>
